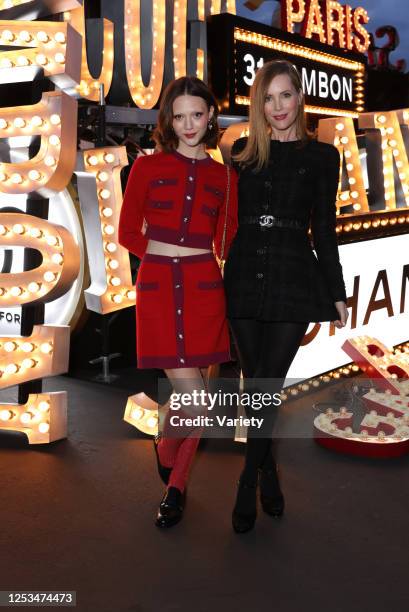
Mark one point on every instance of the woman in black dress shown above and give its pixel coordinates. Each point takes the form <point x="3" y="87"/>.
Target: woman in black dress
<point x="275" y="285"/>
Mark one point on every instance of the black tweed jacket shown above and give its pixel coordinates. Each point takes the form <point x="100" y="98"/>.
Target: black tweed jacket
<point x="272" y="273"/>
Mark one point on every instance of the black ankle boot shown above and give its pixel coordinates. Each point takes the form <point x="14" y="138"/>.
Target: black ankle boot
<point x="164" y="472"/>
<point x="271" y="496"/>
<point x="245" y="509"/>
<point x="171" y="507"/>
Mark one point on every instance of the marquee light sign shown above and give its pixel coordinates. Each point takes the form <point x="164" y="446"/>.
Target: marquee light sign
<point x="390" y="156"/>
<point x="237" y="48"/>
<point x="100" y="191"/>
<point x="43" y="419"/>
<point x="328" y="21"/>
<point x="54" y="119"/>
<point x="384" y="431"/>
<point x="53" y="47"/>
<point x="89" y="86"/>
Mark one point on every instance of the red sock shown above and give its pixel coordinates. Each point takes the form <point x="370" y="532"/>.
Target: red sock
<point x="184" y="460"/>
<point x="168" y="450"/>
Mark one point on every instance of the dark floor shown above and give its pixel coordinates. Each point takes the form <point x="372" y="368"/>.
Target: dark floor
<point x="78" y="515"/>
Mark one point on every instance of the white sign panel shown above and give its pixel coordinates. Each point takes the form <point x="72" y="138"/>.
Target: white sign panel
<point x="376" y="274"/>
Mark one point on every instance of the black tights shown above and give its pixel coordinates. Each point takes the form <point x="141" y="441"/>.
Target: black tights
<point x="266" y="350"/>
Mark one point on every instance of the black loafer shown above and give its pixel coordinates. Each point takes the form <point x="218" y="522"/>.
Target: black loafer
<point x="164" y="472"/>
<point x="171" y="508"/>
<point x="243" y="521"/>
<point x="271" y="496"/>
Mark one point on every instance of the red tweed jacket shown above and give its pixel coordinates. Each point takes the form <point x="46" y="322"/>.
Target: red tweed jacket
<point x="182" y="200"/>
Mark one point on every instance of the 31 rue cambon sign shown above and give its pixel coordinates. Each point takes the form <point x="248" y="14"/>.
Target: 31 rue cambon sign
<point x="56" y="51"/>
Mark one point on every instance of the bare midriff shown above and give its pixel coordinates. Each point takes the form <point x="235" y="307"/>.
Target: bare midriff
<point x="172" y="250"/>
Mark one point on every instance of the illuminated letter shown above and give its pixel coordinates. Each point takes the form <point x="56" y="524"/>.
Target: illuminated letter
<point x="341" y="133"/>
<point x="144" y="96"/>
<point x="44" y="353"/>
<point x="99" y="186"/>
<point x="43" y="418"/>
<point x="54" y="118"/>
<point x="377" y="361"/>
<point x="179" y="38"/>
<point x="332" y="24"/>
<point x="361" y="44"/>
<point x="216" y="7"/>
<point x="314" y="24"/>
<point x="393" y="152"/>
<point x="89" y="86"/>
<point x="50" y="46"/>
<point x="24" y="9"/>
<point x="290" y="14"/>
<point x="58" y="270"/>
<point x="348" y="27"/>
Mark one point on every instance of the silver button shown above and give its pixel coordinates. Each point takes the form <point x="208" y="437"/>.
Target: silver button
<point x="182" y="360"/>
<point x="193" y="161"/>
<point x="182" y="239"/>
<point x="259" y="275"/>
<point x="185" y="219"/>
<point x="180" y="336"/>
<point x="177" y="286"/>
<point x="191" y="178"/>
<point x="176" y="260"/>
<point x="188" y="197"/>
<point x="179" y="311"/>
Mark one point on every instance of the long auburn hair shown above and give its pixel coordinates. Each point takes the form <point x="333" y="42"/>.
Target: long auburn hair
<point x="164" y="135"/>
<point x="257" y="149"/>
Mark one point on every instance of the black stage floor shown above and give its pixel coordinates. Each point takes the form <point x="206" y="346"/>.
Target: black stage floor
<point x="78" y="515"/>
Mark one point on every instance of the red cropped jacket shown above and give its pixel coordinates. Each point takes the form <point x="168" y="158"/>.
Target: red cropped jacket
<point x="182" y="200"/>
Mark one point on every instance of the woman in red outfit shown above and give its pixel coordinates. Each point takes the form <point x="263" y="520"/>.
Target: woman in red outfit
<point x="179" y="195"/>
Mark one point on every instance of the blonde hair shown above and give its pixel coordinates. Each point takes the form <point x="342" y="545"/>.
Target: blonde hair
<point x="257" y="149"/>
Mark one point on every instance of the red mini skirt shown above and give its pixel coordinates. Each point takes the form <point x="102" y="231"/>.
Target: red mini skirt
<point x="180" y="312"/>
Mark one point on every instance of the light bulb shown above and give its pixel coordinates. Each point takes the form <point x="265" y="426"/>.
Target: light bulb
<point x="37" y="121"/>
<point x="34" y="175"/>
<point x="52" y="240"/>
<point x="33" y="287"/>
<point x="49" y="276"/>
<point x="137" y="413"/>
<point x="57" y="258"/>
<point x="109" y="229"/>
<point x="27" y="347"/>
<point x="111" y="247"/>
<point x="43" y="36"/>
<point x="10" y="346"/>
<point x="60" y="37"/>
<point x="46" y="347"/>
<point x="54" y="140"/>
<point x="109" y="158"/>
<point x="28" y="363"/>
<point x="16" y="291"/>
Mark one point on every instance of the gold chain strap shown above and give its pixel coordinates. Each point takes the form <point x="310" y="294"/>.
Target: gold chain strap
<point x="221" y="261"/>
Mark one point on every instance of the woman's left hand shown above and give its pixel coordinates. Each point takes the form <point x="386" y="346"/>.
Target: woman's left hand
<point x="343" y="314"/>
